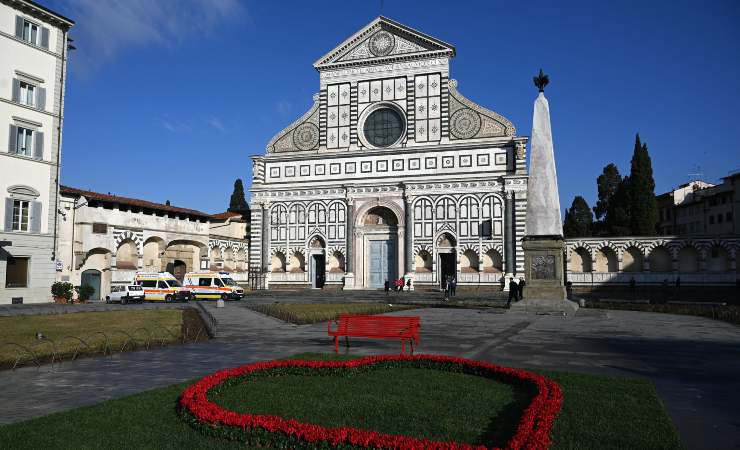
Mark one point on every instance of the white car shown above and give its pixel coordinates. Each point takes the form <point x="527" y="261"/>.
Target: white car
<point x="125" y="294"/>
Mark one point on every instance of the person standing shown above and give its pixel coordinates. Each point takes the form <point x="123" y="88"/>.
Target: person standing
<point x="513" y="290"/>
<point x="453" y="286"/>
<point x="408" y="285"/>
<point x="446" y="287"/>
<point x="521" y="289"/>
<point x="387" y="287"/>
<point x="502" y="282"/>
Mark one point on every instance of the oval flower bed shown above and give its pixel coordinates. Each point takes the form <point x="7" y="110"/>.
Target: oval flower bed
<point x="532" y="431"/>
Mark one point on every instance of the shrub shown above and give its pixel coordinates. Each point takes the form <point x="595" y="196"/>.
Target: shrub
<point x="62" y="289"/>
<point x="85" y="291"/>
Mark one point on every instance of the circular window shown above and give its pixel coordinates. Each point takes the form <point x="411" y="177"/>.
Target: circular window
<point x="383" y="127"/>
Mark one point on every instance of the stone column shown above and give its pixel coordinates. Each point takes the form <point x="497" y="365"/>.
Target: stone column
<point x="265" y="245"/>
<point x="409" y="236"/>
<point x="509" y="238"/>
<point x="349" y="233"/>
<point x="349" y="258"/>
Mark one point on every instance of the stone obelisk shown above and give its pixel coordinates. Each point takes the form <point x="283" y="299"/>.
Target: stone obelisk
<point x="543" y="244"/>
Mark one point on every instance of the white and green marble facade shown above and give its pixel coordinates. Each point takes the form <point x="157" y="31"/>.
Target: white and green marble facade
<point x="323" y="194"/>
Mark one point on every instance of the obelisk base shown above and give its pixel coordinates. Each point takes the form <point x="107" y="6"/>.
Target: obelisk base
<point x="544" y="290"/>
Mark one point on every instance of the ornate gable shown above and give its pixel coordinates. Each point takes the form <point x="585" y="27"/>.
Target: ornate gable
<point x="382" y="41"/>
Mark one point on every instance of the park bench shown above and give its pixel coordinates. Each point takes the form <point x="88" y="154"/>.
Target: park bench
<point x="405" y="328"/>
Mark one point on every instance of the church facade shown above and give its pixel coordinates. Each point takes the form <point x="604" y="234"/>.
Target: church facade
<point x="392" y="173"/>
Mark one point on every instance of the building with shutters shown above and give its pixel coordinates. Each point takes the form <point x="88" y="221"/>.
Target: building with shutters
<point x="391" y="173"/>
<point x="33" y="45"/>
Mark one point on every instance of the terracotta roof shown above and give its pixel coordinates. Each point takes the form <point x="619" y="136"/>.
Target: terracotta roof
<point x="90" y="195"/>
<point x="226" y="215"/>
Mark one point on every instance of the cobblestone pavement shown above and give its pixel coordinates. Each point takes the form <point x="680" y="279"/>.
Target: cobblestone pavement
<point x="694" y="362"/>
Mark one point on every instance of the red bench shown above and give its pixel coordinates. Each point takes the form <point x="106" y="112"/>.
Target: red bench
<point x="385" y="327"/>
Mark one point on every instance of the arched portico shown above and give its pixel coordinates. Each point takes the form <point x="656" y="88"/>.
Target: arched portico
<point x="379" y="243"/>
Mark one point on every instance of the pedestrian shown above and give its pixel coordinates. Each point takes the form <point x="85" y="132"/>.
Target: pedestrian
<point x="408" y="285"/>
<point x="399" y="285"/>
<point x="387" y="287"/>
<point x="502" y="282"/>
<point x="453" y="286"/>
<point x="521" y="288"/>
<point x="513" y="289"/>
<point x="678" y="282"/>
<point x="446" y="287"/>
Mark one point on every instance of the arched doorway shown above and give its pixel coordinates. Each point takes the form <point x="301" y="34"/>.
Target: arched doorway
<point x="177" y="268"/>
<point x="91" y="277"/>
<point x="379" y="227"/>
<point x="317" y="268"/>
<point x="447" y="255"/>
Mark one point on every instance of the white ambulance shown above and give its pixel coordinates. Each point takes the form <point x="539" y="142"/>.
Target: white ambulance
<point x="161" y="286"/>
<point x="215" y="285"/>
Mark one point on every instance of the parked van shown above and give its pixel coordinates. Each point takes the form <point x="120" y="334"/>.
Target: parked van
<point x="213" y="285"/>
<point x="161" y="286"/>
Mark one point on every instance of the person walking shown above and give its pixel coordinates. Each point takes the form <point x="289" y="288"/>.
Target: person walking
<point x="408" y="285"/>
<point x="521" y="288"/>
<point x="387" y="287"/>
<point x="453" y="286"/>
<point x="513" y="290"/>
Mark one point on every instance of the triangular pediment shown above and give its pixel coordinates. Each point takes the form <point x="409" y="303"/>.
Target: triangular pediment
<point x="381" y="41"/>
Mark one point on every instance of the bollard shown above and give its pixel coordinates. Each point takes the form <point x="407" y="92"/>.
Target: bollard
<point x="219" y="303"/>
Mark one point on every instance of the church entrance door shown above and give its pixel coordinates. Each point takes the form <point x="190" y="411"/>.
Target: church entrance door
<point x="318" y="270"/>
<point x="447" y="267"/>
<point x="382" y="263"/>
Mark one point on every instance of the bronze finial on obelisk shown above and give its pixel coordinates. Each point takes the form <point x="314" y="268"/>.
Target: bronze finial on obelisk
<point x="541" y="81"/>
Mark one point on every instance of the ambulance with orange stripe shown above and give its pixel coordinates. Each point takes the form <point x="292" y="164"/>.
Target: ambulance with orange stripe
<point x="162" y="286"/>
<point x="215" y="285"/>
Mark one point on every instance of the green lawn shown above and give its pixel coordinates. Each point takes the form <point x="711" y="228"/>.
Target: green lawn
<point x="304" y="313"/>
<point x="598" y="412"/>
<point x="141" y="325"/>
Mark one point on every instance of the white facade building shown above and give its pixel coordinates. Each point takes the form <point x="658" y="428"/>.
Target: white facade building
<point x="33" y="45"/>
<point x="392" y="173"/>
<point x="104" y="239"/>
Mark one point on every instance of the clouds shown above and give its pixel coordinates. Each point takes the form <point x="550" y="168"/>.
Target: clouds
<point x="107" y="27"/>
<point x="180" y="126"/>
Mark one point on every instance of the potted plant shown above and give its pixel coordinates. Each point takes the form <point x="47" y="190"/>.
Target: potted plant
<point x="62" y="292"/>
<point x="84" y="292"/>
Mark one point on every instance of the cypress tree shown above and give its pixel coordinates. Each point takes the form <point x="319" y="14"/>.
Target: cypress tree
<point x="578" y="219"/>
<point x="617" y="220"/>
<point x="641" y="192"/>
<point x="607" y="184"/>
<point x="238" y="203"/>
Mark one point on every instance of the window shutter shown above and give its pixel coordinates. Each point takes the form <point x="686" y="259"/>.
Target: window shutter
<point x="35" y="217"/>
<point x="16" y="90"/>
<point x="13" y="140"/>
<point x="19" y="27"/>
<point x="8" y="214"/>
<point x="41" y="98"/>
<point x="45" y="37"/>
<point x="38" y="141"/>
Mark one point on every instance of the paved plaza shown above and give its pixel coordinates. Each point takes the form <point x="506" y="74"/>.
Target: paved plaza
<point x="694" y="362"/>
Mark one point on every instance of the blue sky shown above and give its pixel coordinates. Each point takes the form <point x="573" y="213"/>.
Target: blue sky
<point x="167" y="100"/>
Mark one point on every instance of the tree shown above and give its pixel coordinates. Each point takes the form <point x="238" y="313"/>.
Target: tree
<point x="641" y="192"/>
<point x="578" y="219"/>
<point x="617" y="220"/>
<point x="238" y="203"/>
<point x="607" y="184"/>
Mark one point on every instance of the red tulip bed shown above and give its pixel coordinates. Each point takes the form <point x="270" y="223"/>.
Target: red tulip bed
<point x="196" y="407"/>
